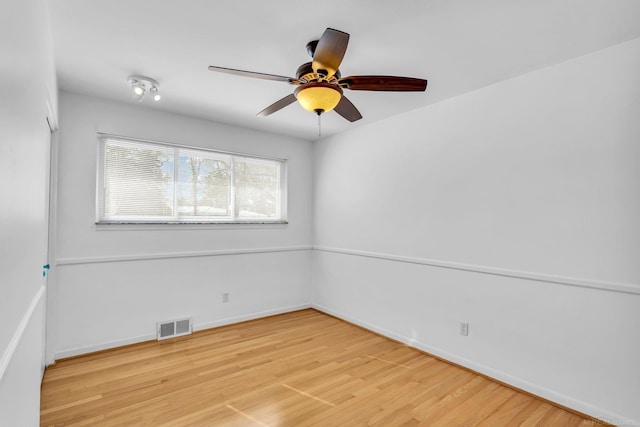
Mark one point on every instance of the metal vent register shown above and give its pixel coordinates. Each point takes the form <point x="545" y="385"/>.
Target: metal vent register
<point x="174" y="328"/>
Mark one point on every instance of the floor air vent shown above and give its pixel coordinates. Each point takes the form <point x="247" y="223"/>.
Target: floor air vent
<point x="174" y="328"/>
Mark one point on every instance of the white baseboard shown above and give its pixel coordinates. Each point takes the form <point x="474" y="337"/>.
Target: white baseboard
<point x="250" y="316"/>
<point x="535" y="389"/>
<point x="76" y="351"/>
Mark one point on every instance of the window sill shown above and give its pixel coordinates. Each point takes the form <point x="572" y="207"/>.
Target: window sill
<point x="147" y="226"/>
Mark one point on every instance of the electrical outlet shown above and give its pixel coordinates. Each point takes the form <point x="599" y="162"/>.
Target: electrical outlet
<point x="464" y="328"/>
<point x="225" y="297"/>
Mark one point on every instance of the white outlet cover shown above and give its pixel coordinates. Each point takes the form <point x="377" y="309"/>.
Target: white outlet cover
<point x="464" y="328"/>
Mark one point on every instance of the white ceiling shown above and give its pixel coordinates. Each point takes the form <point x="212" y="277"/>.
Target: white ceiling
<point x="458" y="46"/>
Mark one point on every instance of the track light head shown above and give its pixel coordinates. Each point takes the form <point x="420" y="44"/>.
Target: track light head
<point x="154" y="92"/>
<point x="139" y="84"/>
<point x="138" y="89"/>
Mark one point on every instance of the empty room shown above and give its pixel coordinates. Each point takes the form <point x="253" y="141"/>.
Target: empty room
<point x="248" y="213"/>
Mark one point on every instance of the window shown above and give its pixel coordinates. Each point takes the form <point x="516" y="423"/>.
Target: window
<point x="148" y="182"/>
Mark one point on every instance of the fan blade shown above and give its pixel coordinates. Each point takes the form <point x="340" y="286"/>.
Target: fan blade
<point x="253" y="74"/>
<point x="278" y="105"/>
<point x="347" y="110"/>
<point x="330" y="51"/>
<point x="383" y="83"/>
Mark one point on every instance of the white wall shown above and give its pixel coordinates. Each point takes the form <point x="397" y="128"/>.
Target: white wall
<point x="514" y="208"/>
<point x="27" y="86"/>
<point x="114" y="282"/>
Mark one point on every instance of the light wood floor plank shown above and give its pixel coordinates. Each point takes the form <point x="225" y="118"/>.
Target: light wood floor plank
<point x="297" y="369"/>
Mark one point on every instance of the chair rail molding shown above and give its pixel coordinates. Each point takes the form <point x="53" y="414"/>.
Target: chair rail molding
<point x="628" y="288"/>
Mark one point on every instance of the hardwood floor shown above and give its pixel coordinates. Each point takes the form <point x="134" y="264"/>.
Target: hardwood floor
<point x="297" y="369"/>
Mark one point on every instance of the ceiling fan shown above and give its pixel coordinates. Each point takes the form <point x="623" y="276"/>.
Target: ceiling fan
<point x="319" y="85"/>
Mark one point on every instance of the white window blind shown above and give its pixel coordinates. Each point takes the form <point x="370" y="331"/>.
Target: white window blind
<point x="149" y="182"/>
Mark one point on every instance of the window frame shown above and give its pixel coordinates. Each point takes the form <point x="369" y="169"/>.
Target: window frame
<point x="178" y="220"/>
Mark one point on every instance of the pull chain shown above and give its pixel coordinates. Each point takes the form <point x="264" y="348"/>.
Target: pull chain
<point x="319" y="125"/>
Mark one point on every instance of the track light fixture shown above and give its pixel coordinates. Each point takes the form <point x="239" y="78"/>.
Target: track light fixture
<point x="139" y="85"/>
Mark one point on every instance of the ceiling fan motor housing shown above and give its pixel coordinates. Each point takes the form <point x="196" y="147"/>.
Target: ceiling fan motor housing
<point x="305" y="72"/>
